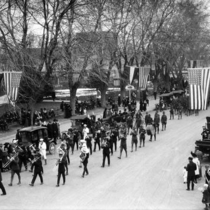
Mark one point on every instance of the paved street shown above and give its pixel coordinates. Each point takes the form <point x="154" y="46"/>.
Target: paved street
<point x="150" y="178"/>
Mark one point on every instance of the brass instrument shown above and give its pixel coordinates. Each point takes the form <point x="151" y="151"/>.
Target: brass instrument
<point x="82" y="156"/>
<point x="61" y="158"/>
<point x="35" y="159"/>
<point x="10" y="160"/>
<point x="32" y="149"/>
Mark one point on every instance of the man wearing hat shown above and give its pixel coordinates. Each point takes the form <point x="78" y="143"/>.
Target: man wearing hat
<point x="106" y="150"/>
<point x="84" y="161"/>
<point x="43" y="147"/>
<point x="61" y="168"/>
<point x="123" y="138"/>
<point x="15" y="168"/>
<point x="191" y="168"/>
<point x="38" y="169"/>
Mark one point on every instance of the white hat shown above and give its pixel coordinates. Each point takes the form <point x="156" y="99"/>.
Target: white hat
<point x="41" y="139"/>
<point x="85" y="125"/>
<point x="15" y="141"/>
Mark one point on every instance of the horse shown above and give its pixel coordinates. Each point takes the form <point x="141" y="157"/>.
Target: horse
<point x="151" y="131"/>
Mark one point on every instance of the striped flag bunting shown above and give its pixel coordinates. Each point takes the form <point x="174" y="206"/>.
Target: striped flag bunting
<point x="134" y="74"/>
<point x="199" y="82"/>
<point x="143" y="76"/>
<point x="12" y="83"/>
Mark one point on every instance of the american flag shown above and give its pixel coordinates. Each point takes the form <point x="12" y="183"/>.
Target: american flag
<point x="143" y="76"/>
<point x="134" y="74"/>
<point x="199" y="79"/>
<point x="11" y="83"/>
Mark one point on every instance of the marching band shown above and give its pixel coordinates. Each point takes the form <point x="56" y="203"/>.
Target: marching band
<point x="103" y="135"/>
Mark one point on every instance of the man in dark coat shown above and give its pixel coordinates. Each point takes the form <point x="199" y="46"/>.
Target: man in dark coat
<point x="1" y="185"/>
<point x="164" y="121"/>
<point x="106" y="151"/>
<point x="15" y="169"/>
<point x="50" y="129"/>
<point x="55" y="130"/>
<point x="97" y="140"/>
<point x="38" y="169"/>
<point x="157" y="121"/>
<point x="146" y="119"/>
<point x="191" y="168"/>
<point x="61" y="169"/>
<point x="129" y="122"/>
<point x="123" y="143"/>
<point x="114" y="136"/>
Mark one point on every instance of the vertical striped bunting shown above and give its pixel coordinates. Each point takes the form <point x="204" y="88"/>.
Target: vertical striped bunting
<point x="143" y="76"/>
<point x="199" y="79"/>
<point x="12" y="82"/>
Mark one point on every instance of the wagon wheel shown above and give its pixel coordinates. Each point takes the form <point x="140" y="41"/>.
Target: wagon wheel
<point x="52" y="148"/>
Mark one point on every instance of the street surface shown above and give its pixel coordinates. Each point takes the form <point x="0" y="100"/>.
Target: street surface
<point x="149" y="178"/>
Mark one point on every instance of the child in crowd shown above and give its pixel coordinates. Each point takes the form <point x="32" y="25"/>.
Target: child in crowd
<point x="206" y="196"/>
<point x="185" y="174"/>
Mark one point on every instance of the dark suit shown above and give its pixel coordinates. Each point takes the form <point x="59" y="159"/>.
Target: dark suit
<point x="38" y="170"/>
<point x="191" y="168"/>
<point x="85" y="162"/>
<point x="55" y="131"/>
<point x="61" y="171"/>
<point x="106" y="153"/>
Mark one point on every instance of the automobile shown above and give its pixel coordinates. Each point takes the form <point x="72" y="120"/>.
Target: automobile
<point x="203" y="145"/>
<point x="77" y="123"/>
<point x="32" y="134"/>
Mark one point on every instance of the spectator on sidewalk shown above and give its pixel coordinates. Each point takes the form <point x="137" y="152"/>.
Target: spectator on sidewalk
<point x="191" y="168"/>
<point x="164" y="121"/>
<point x="55" y="131"/>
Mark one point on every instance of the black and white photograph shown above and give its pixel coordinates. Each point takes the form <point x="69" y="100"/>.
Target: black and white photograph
<point x="104" y="104"/>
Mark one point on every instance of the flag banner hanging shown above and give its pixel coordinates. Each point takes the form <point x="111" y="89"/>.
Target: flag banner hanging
<point x="143" y="76"/>
<point x="199" y="79"/>
<point x="11" y="83"/>
<point x="134" y="75"/>
<point x="126" y="72"/>
<point x="132" y="69"/>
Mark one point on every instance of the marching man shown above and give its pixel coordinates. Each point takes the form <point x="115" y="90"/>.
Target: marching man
<point x="43" y="148"/>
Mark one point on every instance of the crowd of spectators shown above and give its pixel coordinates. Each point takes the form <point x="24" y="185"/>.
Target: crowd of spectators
<point x="39" y="117"/>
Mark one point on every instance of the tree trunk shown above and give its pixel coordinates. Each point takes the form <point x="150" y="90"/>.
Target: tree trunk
<point x="73" y="93"/>
<point x="103" y="97"/>
<point x="122" y="91"/>
<point x="32" y="114"/>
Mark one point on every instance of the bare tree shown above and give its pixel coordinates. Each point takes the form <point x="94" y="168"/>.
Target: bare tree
<point x="184" y="37"/>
